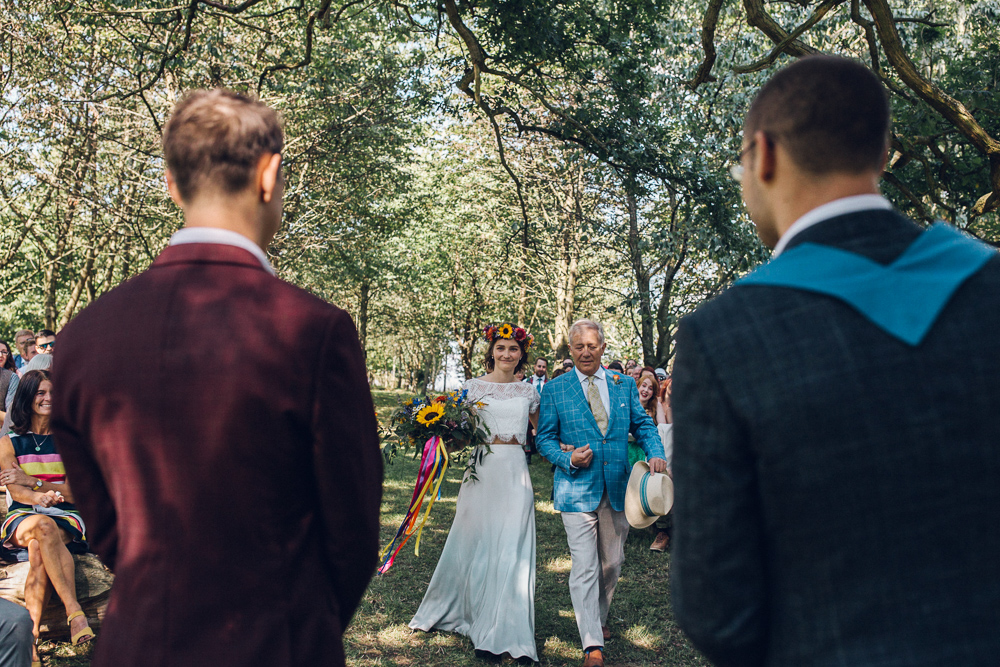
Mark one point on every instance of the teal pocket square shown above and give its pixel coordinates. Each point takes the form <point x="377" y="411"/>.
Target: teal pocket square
<point x="904" y="298"/>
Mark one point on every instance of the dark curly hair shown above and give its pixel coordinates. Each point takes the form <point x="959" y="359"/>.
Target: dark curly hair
<point x="23" y="407"/>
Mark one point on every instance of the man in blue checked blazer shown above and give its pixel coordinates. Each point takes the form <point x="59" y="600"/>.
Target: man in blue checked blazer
<point x="584" y="422"/>
<point x="837" y="412"/>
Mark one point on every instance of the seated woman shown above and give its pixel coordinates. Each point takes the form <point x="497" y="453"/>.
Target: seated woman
<point x="42" y="525"/>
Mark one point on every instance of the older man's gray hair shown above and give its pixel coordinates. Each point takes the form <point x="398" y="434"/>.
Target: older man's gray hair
<point x="580" y="325"/>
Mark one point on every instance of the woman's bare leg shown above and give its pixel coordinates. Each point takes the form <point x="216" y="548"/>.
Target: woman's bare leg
<point x="54" y="556"/>
<point x="36" y="590"/>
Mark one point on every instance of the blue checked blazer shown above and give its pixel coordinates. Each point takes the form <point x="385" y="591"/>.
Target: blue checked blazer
<point x="838" y="490"/>
<point x="565" y="416"/>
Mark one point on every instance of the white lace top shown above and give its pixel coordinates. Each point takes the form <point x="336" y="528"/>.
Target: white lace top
<point x="506" y="407"/>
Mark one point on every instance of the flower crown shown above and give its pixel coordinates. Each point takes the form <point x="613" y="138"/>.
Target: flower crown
<point x="510" y="332"/>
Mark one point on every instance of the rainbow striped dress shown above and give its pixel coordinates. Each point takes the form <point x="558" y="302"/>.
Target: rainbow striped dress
<point x="36" y="454"/>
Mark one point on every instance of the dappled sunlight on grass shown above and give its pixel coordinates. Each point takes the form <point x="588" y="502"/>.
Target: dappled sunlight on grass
<point x="643" y="637"/>
<point x="557" y="650"/>
<point x="395" y="635"/>
<point x="561" y="564"/>
<point x="545" y="506"/>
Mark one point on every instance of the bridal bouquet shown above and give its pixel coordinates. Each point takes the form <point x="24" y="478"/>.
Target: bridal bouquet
<point x="450" y="417"/>
<point x="449" y="427"/>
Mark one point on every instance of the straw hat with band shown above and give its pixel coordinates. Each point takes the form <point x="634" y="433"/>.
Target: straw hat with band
<point x="648" y="496"/>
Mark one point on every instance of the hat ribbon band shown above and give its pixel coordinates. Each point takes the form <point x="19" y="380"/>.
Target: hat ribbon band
<point x="642" y="495"/>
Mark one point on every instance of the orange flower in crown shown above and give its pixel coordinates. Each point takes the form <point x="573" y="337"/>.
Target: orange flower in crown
<point x="510" y="332"/>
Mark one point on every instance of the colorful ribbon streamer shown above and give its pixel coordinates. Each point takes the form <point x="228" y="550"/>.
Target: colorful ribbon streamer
<point x="433" y="465"/>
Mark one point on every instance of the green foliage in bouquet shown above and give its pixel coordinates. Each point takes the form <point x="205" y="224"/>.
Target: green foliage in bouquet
<point x="452" y="417"/>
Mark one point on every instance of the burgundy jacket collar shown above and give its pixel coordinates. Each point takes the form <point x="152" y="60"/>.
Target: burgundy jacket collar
<point x="206" y="253"/>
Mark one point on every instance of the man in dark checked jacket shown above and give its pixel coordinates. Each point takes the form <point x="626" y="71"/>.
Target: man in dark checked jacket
<point x="837" y="412"/>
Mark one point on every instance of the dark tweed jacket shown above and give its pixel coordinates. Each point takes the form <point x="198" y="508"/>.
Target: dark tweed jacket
<point x="838" y="491"/>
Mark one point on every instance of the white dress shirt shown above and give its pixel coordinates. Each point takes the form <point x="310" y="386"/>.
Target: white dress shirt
<point x="537" y="381"/>
<point x="222" y="237"/>
<point x="829" y="210"/>
<point x="601" y="380"/>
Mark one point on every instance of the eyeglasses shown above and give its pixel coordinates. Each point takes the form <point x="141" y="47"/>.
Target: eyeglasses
<point x="46" y="346"/>
<point x="736" y="171"/>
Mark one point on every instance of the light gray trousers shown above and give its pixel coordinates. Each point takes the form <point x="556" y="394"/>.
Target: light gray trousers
<point x="15" y="635"/>
<point x="597" y="546"/>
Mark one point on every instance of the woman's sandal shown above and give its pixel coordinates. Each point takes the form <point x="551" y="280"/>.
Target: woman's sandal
<point x="36" y="654"/>
<point x="78" y="638"/>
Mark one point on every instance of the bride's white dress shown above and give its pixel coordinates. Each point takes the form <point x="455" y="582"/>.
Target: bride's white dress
<point x="484" y="583"/>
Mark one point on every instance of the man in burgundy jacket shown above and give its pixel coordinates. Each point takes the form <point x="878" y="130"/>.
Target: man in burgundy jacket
<point x="233" y="491"/>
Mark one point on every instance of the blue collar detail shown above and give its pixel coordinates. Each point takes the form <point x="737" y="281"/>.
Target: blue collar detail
<point x="904" y="298"/>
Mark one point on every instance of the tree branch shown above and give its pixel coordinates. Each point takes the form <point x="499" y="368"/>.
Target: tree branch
<point x="789" y="43"/>
<point x="953" y="111"/>
<point x="708" y="25"/>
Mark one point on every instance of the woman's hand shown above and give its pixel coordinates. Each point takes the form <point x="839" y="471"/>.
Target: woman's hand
<point x="566" y="448"/>
<point x="16" y="476"/>
<point x="48" y="498"/>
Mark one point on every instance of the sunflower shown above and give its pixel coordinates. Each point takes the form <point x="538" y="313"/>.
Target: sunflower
<point x="505" y="331"/>
<point x="429" y="414"/>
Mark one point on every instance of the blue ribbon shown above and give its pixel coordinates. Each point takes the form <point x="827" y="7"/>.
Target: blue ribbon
<point x="642" y="494"/>
<point x="904" y="298"/>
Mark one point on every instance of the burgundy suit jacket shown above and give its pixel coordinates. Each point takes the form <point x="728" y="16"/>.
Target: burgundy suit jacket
<point x="219" y="434"/>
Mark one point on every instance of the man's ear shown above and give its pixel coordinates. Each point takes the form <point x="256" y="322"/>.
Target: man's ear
<point x="268" y="170"/>
<point x="764" y="156"/>
<point x="175" y="192"/>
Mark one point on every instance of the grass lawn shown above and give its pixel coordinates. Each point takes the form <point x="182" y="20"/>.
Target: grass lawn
<point x="643" y="630"/>
<point x="642" y="625"/>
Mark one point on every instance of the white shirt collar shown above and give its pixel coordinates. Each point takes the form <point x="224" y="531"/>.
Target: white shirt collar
<point x="222" y="237"/>
<point x="829" y="210"/>
<point x="599" y="375"/>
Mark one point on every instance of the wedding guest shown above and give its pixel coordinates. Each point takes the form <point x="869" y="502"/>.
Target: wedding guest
<point x="650" y="391"/>
<point x="39" y="362"/>
<point x="16" y="640"/>
<point x="661" y="374"/>
<point x="538" y="377"/>
<point x="45" y="341"/>
<point x="616" y="366"/>
<point x="664" y="398"/>
<point x="42" y="525"/>
<point x="234" y="492"/>
<point x="24" y="340"/>
<point x="567" y="364"/>
<point x="538" y="380"/>
<point x="8" y="379"/>
<point x="837" y="447"/>
<point x="634" y="372"/>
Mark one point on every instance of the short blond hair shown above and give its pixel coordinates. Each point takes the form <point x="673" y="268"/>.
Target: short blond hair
<point x="217" y="136"/>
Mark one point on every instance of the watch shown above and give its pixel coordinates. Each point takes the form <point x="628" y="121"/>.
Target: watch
<point x="37" y="485"/>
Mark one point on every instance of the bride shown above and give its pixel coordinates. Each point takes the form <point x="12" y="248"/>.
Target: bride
<point x="484" y="583"/>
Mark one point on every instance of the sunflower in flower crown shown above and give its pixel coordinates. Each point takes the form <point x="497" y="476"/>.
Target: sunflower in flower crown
<point x="510" y="332"/>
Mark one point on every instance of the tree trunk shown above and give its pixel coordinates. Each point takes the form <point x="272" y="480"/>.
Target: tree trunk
<point x="363" y="301"/>
<point x="641" y="276"/>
